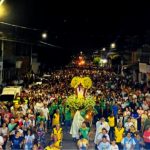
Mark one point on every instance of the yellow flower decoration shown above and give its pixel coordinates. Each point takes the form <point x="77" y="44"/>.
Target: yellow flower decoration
<point x="86" y="82"/>
<point x="75" y="82"/>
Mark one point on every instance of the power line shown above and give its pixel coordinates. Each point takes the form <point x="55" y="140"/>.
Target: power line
<point x="48" y="44"/>
<point x="18" y="26"/>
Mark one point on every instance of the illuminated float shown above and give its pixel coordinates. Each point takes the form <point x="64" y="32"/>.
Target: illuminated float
<point x="81" y="103"/>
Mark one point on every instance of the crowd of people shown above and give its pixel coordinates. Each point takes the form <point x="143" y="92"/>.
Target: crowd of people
<point x="121" y="119"/>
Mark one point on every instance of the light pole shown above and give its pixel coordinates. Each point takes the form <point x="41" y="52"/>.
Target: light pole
<point x="44" y="35"/>
<point x="113" y="45"/>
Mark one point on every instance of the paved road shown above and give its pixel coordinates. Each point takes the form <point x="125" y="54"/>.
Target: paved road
<point x="68" y="142"/>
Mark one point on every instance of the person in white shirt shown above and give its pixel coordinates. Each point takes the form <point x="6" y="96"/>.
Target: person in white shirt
<point x="45" y="112"/>
<point x="128" y="124"/>
<point x="24" y="108"/>
<point x="104" y="145"/>
<point x="38" y="106"/>
<point x="29" y="139"/>
<point x="100" y="135"/>
<point x="113" y="145"/>
<point x="99" y="126"/>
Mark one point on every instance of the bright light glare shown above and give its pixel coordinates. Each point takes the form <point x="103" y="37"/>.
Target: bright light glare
<point x="104" y="61"/>
<point x="1" y="2"/>
<point x="113" y="45"/>
<point x="44" y="35"/>
<point x="104" y="49"/>
<point x="82" y="62"/>
<point x="2" y="11"/>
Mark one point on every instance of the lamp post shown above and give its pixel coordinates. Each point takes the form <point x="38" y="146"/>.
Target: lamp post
<point x="113" y="45"/>
<point x="44" y="35"/>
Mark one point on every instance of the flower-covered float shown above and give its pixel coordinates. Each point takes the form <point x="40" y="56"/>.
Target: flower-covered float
<point x="81" y="103"/>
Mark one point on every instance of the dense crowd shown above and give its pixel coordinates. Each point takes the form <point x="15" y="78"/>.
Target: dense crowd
<point x="121" y="115"/>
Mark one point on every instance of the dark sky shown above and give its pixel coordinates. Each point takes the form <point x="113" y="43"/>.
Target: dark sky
<point x="78" y="26"/>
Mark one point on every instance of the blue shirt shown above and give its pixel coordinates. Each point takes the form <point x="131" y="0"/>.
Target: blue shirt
<point x="115" y="109"/>
<point x="16" y="142"/>
<point x="138" y="146"/>
<point x="104" y="146"/>
<point x="128" y="143"/>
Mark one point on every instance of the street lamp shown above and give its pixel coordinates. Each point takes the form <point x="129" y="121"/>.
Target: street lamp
<point x="104" y="49"/>
<point x="113" y="45"/>
<point x="44" y="35"/>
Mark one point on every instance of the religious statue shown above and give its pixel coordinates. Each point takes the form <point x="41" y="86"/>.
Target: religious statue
<point x="81" y="103"/>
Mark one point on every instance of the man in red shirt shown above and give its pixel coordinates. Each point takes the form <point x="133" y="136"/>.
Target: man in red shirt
<point x="146" y="137"/>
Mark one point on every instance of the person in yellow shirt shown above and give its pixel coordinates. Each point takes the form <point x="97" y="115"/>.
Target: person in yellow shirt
<point x="111" y="122"/>
<point x="56" y="118"/>
<point x="82" y="143"/>
<point x="119" y="133"/>
<point x="55" y="144"/>
<point x="58" y="132"/>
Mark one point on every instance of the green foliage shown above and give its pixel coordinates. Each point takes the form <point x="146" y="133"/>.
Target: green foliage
<point x="76" y="103"/>
<point x="96" y="60"/>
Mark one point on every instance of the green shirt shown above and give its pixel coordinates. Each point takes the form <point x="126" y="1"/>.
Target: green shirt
<point x="103" y="104"/>
<point x="84" y="132"/>
<point x="61" y="109"/>
<point x="67" y="114"/>
<point x="83" y="113"/>
<point x="41" y="118"/>
<point x="52" y="108"/>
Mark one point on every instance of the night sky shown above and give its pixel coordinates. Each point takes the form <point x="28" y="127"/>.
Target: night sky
<point x="77" y="26"/>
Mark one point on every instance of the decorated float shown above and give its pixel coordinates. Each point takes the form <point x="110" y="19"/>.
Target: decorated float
<point x="81" y="103"/>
